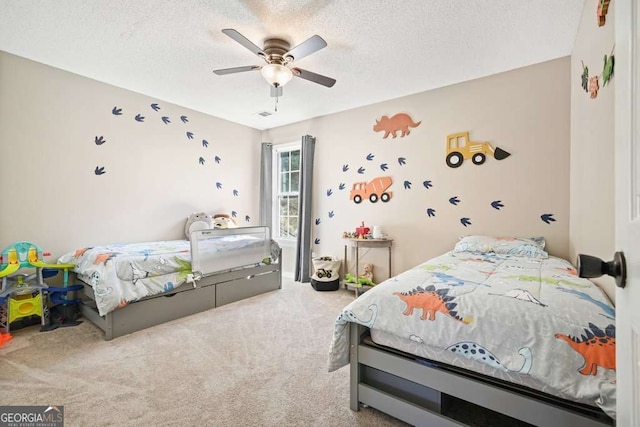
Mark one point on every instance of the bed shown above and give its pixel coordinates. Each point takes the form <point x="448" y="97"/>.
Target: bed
<point x="128" y="287"/>
<point x="496" y="322"/>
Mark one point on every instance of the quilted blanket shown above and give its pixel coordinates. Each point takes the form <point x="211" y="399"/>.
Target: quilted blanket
<point x="122" y="273"/>
<point x="527" y="320"/>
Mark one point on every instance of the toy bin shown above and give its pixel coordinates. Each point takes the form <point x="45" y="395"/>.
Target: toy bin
<point x="326" y="273"/>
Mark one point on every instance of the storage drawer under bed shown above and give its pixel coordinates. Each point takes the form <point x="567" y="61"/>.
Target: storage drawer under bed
<point x="210" y="292"/>
<point x="236" y="290"/>
<point x="152" y="311"/>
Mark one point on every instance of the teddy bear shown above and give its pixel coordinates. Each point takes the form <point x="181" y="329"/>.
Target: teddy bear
<point x="223" y="221"/>
<point x="197" y="221"/>
<point x="368" y="272"/>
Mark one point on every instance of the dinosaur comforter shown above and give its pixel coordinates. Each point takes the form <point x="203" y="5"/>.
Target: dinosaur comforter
<point x="526" y="320"/>
<point x="123" y="273"/>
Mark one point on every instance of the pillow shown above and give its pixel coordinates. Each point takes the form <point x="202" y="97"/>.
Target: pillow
<point x="530" y="248"/>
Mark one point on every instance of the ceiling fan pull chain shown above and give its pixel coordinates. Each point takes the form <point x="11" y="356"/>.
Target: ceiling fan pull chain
<point x="276" y="107"/>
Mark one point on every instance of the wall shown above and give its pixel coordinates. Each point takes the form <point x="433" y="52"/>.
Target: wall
<point x="524" y="111"/>
<point x="56" y="128"/>
<point x="592" y="229"/>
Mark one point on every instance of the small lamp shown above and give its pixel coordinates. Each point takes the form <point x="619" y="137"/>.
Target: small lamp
<point x="590" y="266"/>
<point x="277" y="75"/>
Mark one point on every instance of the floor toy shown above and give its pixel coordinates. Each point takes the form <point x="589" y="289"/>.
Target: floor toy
<point x="23" y="296"/>
<point x="4" y="338"/>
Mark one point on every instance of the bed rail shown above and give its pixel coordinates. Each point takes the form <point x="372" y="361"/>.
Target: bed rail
<point x="219" y="250"/>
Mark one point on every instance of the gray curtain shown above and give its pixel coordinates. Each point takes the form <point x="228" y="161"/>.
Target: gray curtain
<point x="303" y="246"/>
<point x="266" y="185"/>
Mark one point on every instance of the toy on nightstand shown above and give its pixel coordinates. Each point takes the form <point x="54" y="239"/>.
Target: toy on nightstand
<point x="368" y="273"/>
<point x="362" y="231"/>
<point x="23" y="296"/>
<point x="365" y="278"/>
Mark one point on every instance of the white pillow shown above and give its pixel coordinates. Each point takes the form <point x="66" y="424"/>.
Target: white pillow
<point x="530" y="248"/>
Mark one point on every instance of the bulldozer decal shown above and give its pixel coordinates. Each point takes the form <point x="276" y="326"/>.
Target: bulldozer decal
<point x="374" y="190"/>
<point x="459" y="148"/>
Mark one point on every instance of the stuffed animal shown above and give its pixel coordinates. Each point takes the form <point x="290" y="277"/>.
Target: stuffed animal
<point x="350" y="278"/>
<point x="368" y="272"/>
<point x="223" y="221"/>
<point x="197" y="221"/>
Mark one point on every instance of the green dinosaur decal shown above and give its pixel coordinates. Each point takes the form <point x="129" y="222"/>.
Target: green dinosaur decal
<point x="183" y="270"/>
<point x="548" y="281"/>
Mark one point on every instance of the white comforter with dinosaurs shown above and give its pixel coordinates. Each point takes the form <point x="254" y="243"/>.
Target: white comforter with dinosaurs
<point x="122" y="273"/>
<point x="530" y="321"/>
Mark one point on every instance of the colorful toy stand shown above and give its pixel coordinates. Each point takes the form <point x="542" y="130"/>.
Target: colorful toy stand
<point x="23" y="295"/>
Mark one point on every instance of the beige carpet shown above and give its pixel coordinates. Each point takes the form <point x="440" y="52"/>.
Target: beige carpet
<point x="257" y="362"/>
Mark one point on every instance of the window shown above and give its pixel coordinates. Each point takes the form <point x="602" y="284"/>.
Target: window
<point x="286" y="188"/>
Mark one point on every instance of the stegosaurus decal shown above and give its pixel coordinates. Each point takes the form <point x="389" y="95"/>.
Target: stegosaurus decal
<point x="598" y="348"/>
<point x="431" y="300"/>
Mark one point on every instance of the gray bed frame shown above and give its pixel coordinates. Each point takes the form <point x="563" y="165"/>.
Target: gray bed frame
<point x="413" y="390"/>
<point x="209" y="292"/>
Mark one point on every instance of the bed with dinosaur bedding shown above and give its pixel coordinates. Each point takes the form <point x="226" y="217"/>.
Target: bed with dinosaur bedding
<point x="133" y="286"/>
<point x="496" y="322"/>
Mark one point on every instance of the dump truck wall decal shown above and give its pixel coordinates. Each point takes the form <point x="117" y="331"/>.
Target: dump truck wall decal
<point x="459" y="148"/>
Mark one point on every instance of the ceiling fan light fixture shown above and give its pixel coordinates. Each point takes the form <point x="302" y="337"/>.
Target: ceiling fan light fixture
<point x="277" y="75"/>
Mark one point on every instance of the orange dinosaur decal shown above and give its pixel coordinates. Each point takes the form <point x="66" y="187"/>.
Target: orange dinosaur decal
<point x="430" y="300"/>
<point x="598" y="348"/>
<point x="400" y="122"/>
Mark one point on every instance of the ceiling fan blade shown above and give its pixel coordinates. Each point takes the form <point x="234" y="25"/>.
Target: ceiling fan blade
<point x="244" y="42"/>
<point x="307" y="47"/>
<point x="236" y="70"/>
<point x="313" y="77"/>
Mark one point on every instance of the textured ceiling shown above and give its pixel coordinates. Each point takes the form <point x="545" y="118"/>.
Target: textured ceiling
<point x="377" y="49"/>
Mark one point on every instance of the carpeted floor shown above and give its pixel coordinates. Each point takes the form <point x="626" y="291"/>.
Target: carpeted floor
<point x="257" y="362"/>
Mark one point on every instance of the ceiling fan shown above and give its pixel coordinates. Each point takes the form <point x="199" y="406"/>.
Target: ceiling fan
<point x="279" y="57"/>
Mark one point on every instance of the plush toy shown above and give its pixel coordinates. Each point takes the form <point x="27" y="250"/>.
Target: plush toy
<point x="350" y="278"/>
<point x="223" y="221"/>
<point x="368" y="273"/>
<point x="197" y="221"/>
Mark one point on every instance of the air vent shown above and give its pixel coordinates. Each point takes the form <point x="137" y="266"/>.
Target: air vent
<point x="264" y="113"/>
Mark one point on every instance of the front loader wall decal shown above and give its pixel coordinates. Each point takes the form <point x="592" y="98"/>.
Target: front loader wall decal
<point x="372" y="190"/>
<point x="459" y="148"/>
